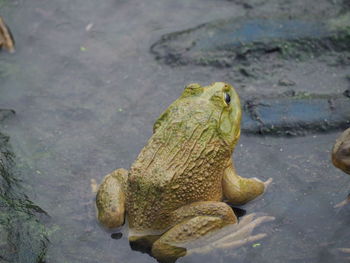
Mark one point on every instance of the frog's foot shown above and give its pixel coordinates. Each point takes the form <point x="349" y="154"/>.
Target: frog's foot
<point x="110" y="199"/>
<point x="6" y="38"/>
<point x="266" y="183"/>
<point x="239" y="190"/>
<point x="233" y="236"/>
<point x="206" y="231"/>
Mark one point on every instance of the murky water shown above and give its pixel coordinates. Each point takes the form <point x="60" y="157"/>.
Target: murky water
<point x="87" y="91"/>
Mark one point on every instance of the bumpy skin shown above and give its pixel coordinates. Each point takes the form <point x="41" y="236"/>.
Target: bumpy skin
<point x="175" y="187"/>
<point x="341" y="160"/>
<point x="6" y="39"/>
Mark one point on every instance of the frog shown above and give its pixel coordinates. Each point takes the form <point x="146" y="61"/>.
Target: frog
<point x="341" y="152"/>
<point x="175" y="191"/>
<point x="6" y="38"/>
<point x="341" y="158"/>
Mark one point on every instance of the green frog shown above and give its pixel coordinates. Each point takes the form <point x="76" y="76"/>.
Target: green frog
<point x="173" y="194"/>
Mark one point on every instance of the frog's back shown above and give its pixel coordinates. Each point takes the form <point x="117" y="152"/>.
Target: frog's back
<point x="182" y="163"/>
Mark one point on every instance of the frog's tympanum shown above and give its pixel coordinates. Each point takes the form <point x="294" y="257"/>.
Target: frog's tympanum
<point x="173" y="194"/>
<point x="6" y="39"/>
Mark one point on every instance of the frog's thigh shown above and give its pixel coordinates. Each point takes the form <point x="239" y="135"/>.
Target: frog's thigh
<point x="172" y="244"/>
<point x="239" y="190"/>
<point x="204" y="208"/>
<point x="190" y="223"/>
<point x="110" y="199"/>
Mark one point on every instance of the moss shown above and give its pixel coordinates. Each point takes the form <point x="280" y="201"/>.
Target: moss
<point x="24" y="236"/>
<point x="341" y="23"/>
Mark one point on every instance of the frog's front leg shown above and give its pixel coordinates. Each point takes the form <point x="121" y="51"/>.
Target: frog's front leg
<point x="110" y="199"/>
<point x="6" y="38"/>
<point x="239" y="190"/>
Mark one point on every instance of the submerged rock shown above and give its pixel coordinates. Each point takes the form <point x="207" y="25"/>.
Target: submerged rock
<point x="296" y="115"/>
<point x="5" y="113"/>
<point x="230" y="41"/>
<point x="23" y="236"/>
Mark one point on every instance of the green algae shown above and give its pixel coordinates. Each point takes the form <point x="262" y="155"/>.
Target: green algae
<point x="23" y="235"/>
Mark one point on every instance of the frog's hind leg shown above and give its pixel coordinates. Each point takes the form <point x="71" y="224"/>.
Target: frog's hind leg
<point x="110" y="199"/>
<point x="191" y="222"/>
<point x="203" y="233"/>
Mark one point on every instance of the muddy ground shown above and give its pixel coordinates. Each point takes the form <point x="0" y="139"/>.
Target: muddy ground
<point x="87" y="88"/>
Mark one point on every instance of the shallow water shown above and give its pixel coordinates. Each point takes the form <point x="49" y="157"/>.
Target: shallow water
<point x="86" y="102"/>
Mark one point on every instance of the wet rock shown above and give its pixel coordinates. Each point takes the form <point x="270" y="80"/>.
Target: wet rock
<point x="286" y="82"/>
<point x="297" y="115"/>
<point x="346" y="93"/>
<point x="228" y="42"/>
<point x="4" y="114"/>
<point x="23" y="237"/>
<point x="242" y="3"/>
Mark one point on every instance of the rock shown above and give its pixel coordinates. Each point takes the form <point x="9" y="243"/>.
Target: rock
<point x="297" y="115"/>
<point x="346" y="93"/>
<point x="286" y="82"/>
<point x="228" y="42"/>
<point x="23" y="236"/>
<point x="4" y="114"/>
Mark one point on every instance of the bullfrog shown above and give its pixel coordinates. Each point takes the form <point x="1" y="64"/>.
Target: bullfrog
<point x="341" y="160"/>
<point x="6" y="39"/>
<point x="341" y="152"/>
<point x="341" y="157"/>
<point x="173" y="193"/>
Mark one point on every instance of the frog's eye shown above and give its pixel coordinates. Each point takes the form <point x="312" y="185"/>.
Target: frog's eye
<point x="227" y="98"/>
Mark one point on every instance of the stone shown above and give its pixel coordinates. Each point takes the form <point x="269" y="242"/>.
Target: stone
<point x="228" y="42"/>
<point x="296" y="115"/>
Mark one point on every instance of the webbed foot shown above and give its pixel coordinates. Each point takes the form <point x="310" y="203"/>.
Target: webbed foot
<point x="234" y="236"/>
<point x="175" y="243"/>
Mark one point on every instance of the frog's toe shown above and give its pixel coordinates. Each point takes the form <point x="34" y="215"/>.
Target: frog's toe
<point x="343" y="203"/>
<point x="234" y="236"/>
<point x="268" y="182"/>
